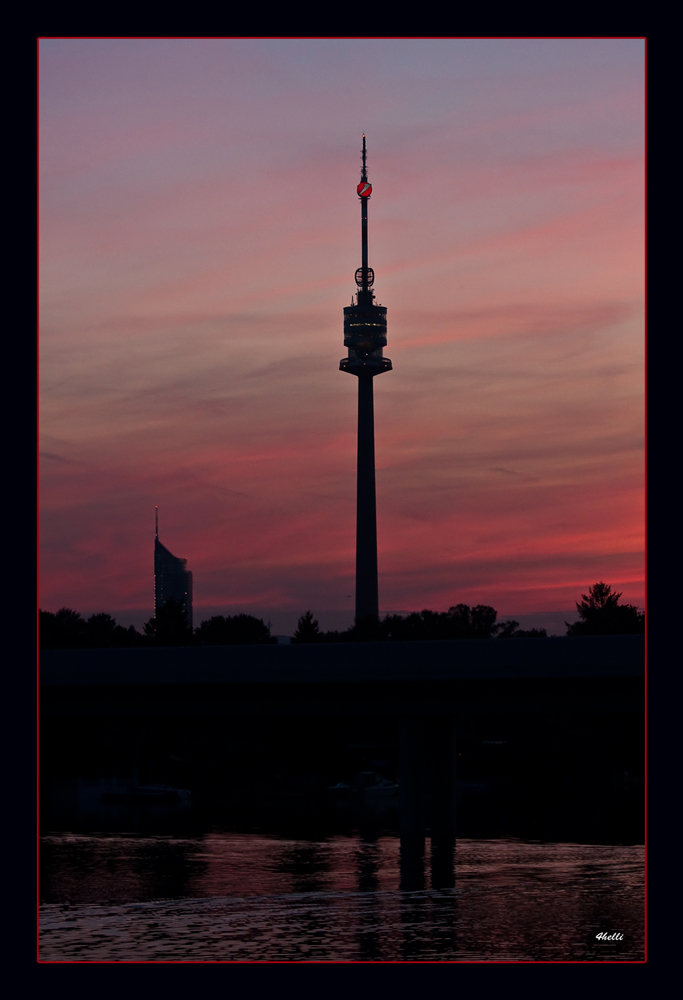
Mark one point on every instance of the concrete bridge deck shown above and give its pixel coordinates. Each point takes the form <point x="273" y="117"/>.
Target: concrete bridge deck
<point x="601" y="673"/>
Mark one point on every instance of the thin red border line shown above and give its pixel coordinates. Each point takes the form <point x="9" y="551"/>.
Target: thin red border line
<point x="353" y="38"/>
<point x="645" y="914"/>
<point x="335" y="961"/>
<point x="37" y="610"/>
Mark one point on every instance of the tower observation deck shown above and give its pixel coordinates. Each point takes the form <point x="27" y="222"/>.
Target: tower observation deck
<point x="365" y="337"/>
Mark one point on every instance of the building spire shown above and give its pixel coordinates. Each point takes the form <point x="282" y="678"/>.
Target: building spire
<point x="156" y="522"/>
<point x="365" y="276"/>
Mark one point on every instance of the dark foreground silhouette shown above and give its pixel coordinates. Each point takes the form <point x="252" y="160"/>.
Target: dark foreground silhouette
<point x="599" y="611"/>
<point x="601" y="614"/>
<point x="66" y="629"/>
<point x="459" y="622"/>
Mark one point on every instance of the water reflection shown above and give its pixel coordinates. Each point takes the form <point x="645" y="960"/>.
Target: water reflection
<point x="367" y="865"/>
<point x="443" y="866"/>
<point x="227" y="896"/>
<point x="306" y="865"/>
<point x="369" y="918"/>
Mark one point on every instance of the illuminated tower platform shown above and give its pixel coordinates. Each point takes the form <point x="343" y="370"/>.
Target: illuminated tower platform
<point x="365" y="337"/>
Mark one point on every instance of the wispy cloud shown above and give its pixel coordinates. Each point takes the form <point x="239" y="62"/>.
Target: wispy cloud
<point x="55" y="458"/>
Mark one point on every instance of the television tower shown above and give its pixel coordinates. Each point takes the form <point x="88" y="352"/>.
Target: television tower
<point x="365" y="336"/>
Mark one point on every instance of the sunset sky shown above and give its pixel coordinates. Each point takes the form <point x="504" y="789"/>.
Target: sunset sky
<point x="200" y="230"/>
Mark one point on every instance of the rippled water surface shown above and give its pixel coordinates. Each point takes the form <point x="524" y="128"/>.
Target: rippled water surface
<point x="249" y="897"/>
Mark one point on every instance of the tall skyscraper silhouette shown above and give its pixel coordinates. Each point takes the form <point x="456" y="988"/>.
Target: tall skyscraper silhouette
<point x="365" y="337"/>
<point x="171" y="578"/>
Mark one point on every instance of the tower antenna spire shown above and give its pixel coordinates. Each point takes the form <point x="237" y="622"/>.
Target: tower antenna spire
<point x="365" y="276"/>
<point x="156" y="522"/>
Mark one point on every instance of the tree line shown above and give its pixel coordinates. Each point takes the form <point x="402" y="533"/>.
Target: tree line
<point x="67" y="629"/>
<point x="459" y="622"/>
<point x="600" y="613"/>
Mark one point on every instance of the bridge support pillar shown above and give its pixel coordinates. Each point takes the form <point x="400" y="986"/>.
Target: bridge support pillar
<point x="411" y="784"/>
<point x="443" y="801"/>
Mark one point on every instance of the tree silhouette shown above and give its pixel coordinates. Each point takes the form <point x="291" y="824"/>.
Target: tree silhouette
<point x="67" y="629"/>
<point x="103" y="632"/>
<point x="307" y="630"/>
<point x="511" y="630"/>
<point x="601" y="614"/>
<point x="235" y="630"/>
<point x="459" y="622"/>
<point x="170" y="626"/>
<point x="478" y="622"/>
<point x="63" y="629"/>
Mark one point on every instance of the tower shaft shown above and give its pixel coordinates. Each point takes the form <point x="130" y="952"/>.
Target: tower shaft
<point x="367" y="593"/>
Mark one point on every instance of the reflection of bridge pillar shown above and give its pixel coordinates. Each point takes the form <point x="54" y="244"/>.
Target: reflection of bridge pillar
<point x="443" y="801"/>
<point x="411" y="785"/>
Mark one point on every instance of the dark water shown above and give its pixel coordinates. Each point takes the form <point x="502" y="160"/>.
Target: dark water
<point x="250" y="897"/>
